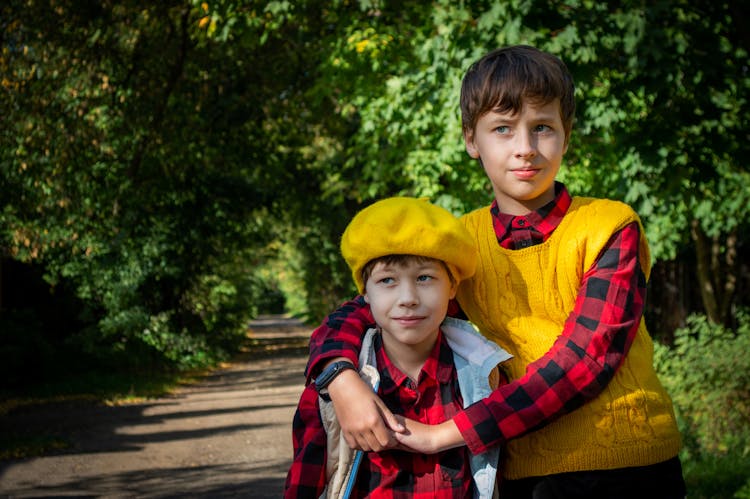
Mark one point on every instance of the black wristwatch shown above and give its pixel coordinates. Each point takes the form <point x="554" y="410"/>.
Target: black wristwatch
<point x="330" y="373"/>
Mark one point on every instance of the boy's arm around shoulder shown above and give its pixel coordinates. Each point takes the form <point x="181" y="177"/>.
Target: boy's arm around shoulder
<point x="593" y="344"/>
<point x="339" y="336"/>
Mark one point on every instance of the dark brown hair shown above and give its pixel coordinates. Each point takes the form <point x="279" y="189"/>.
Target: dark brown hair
<point x="505" y="77"/>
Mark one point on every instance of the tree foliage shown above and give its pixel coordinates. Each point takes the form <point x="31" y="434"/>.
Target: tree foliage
<point x="143" y="160"/>
<point x="164" y="160"/>
<point x="662" y="117"/>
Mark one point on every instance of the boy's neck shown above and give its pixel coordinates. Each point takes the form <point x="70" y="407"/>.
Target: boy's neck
<point x="520" y="208"/>
<point x="408" y="358"/>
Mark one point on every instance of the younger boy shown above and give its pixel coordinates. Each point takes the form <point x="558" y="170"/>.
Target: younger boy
<point x="560" y="284"/>
<point x="407" y="256"/>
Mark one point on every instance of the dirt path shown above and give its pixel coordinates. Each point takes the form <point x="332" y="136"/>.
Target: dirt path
<point x="228" y="436"/>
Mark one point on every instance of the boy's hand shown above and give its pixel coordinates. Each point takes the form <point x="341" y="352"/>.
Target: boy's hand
<point x="428" y="439"/>
<point x="366" y="422"/>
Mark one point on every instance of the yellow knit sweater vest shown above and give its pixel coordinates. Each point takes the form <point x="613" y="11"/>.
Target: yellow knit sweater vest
<point x="522" y="298"/>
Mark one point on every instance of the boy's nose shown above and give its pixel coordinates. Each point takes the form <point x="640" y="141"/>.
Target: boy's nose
<point x="525" y="146"/>
<point x="408" y="295"/>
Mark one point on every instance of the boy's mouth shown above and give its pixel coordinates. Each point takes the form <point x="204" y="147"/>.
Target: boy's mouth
<point x="407" y="320"/>
<point x="525" y="173"/>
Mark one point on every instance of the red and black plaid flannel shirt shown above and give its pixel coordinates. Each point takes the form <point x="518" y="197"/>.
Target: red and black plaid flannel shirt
<point x="601" y="327"/>
<point x="390" y="474"/>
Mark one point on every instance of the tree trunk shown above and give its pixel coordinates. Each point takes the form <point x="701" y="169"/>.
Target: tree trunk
<point x="669" y="298"/>
<point x="716" y="270"/>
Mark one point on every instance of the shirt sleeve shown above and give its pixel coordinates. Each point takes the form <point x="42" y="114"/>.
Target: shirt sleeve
<point x="307" y="474"/>
<point x="340" y="335"/>
<point x="594" y="341"/>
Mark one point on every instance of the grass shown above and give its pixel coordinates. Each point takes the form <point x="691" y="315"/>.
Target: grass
<point x="23" y="446"/>
<point x="717" y="477"/>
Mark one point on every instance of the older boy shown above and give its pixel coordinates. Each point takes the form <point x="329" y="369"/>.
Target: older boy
<point x="408" y="257"/>
<point x="560" y="284"/>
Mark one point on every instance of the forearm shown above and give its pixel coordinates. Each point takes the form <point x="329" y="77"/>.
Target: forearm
<point x="428" y="439"/>
<point x="531" y="402"/>
<point x="448" y="436"/>
<point x="366" y="423"/>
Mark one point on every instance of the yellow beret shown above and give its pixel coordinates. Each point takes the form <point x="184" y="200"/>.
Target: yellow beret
<point x="408" y="226"/>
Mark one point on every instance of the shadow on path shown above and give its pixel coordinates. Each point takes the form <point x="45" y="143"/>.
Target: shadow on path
<point x="228" y="435"/>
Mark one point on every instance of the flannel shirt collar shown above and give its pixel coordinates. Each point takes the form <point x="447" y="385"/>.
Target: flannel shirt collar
<point x="544" y="220"/>
<point x="438" y="366"/>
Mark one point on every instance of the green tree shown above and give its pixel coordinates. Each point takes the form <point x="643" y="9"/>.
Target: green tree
<point x="147" y="157"/>
<point x="154" y="156"/>
<point x="662" y="117"/>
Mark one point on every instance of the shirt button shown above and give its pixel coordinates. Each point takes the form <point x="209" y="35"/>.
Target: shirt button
<point x="521" y="222"/>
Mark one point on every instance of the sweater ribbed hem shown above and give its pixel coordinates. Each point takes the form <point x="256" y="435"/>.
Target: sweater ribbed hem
<point x="590" y="459"/>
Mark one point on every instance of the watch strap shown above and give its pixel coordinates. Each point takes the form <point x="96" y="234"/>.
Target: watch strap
<point x="329" y="374"/>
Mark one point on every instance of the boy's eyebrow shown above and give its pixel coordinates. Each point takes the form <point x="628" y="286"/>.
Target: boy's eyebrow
<point x="423" y="265"/>
<point x="386" y="267"/>
<point x="502" y="115"/>
<point x="513" y="116"/>
<point x="419" y="265"/>
<point x="382" y="266"/>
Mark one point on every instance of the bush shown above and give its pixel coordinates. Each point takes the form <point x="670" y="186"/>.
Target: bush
<point x="707" y="373"/>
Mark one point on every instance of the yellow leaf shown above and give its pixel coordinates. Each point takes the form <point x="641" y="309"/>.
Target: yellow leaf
<point x="361" y="45"/>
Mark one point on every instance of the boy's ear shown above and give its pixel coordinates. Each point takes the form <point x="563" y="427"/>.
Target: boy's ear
<point x="367" y="298"/>
<point x="471" y="148"/>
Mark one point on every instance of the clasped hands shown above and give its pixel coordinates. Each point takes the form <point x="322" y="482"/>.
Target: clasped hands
<point x="368" y="425"/>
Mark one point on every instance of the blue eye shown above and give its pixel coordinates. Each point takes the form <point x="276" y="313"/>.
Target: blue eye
<point x="424" y="278"/>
